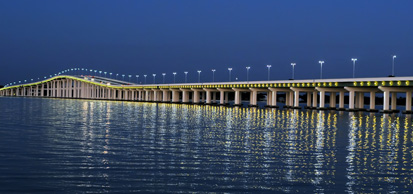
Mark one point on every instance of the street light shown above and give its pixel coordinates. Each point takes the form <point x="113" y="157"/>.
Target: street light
<point x="154" y="75"/>
<point x="394" y="56"/>
<point x="186" y="75"/>
<point x="199" y="76"/>
<point x="248" y="69"/>
<point x="105" y="73"/>
<point x="130" y="77"/>
<point x="100" y="73"/>
<point x="213" y="75"/>
<point x="293" y="65"/>
<point x="229" y="70"/>
<point x="163" y="78"/>
<point x="145" y="78"/>
<point x="137" y="79"/>
<point x="117" y="75"/>
<point x="268" y="66"/>
<point x="354" y="66"/>
<point x="174" y="76"/>
<point x="110" y="75"/>
<point x="321" y="70"/>
<point x="123" y="77"/>
<point x="95" y="72"/>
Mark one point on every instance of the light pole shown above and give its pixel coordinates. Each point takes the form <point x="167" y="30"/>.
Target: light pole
<point x="199" y="76"/>
<point x="105" y="73"/>
<point x="100" y="73"/>
<point x="95" y="72"/>
<point x="130" y="77"/>
<point x="110" y="75"/>
<point x="174" y="75"/>
<point x="186" y="75"/>
<point x="229" y="70"/>
<point x="163" y="78"/>
<point x="248" y="69"/>
<point x="123" y="77"/>
<point x="145" y="78"/>
<point x="293" y="65"/>
<point x="137" y="79"/>
<point x="117" y="75"/>
<point x="354" y="66"/>
<point x="154" y="75"/>
<point x="321" y="69"/>
<point x="269" y="67"/>
<point x="213" y="75"/>
<point x="394" y="56"/>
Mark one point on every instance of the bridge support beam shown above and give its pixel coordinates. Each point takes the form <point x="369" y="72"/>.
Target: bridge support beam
<point x="210" y="95"/>
<point x="224" y="95"/>
<point x="297" y="96"/>
<point x="356" y="98"/>
<point x="393" y="92"/>
<point x="238" y="95"/>
<point x="196" y="95"/>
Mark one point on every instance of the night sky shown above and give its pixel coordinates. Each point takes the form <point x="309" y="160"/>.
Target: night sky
<point x="39" y="38"/>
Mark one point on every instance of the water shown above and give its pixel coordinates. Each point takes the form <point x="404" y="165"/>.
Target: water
<point x="82" y="146"/>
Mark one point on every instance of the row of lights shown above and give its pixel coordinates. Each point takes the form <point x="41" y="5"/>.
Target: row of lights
<point x="383" y="83"/>
<point x="186" y="73"/>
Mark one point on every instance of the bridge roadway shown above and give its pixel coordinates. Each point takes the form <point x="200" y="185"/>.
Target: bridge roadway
<point x="314" y="90"/>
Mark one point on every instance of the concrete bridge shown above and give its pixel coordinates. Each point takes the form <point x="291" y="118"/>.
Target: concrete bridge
<point x="314" y="90"/>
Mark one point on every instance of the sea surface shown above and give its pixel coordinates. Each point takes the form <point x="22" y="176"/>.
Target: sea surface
<point x="86" y="146"/>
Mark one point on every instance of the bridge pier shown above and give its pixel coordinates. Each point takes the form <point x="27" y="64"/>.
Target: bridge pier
<point x="356" y="98"/>
<point x="238" y="95"/>
<point x="393" y="91"/>
<point x="297" y="96"/>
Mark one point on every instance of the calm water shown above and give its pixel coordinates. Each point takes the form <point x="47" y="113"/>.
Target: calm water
<point x="76" y="146"/>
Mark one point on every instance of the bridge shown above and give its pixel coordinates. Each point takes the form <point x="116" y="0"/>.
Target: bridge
<point x="316" y="93"/>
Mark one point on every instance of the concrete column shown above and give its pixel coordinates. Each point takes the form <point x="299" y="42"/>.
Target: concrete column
<point x="308" y="99"/>
<point x="155" y="96"/>
<point x="48" y="89"/>
<point x="322" y="99"/>
<point x="274" y="98"/>
<point x="237" y="98"/>
<point x="341" y="100"/>
<point x="333" y="100"/>
<point x="253" y="101"/>
<point x="361" y="100"/>
<point x="372" y="100"/>
<point x="185" y="97"/>
<point x="226" y="98"/>
<point x="222" y="94"/>
<point x="208" y="97"/>
<point x="351" y="100"/>
<point x="175" y="96"/>
<point x="164" y="96"/>
<point x="394" y="100"/>
<point x="195" y="97"/>
<point x="315" y="99"/>
<point x="269" y="98"/>
<point x="386" y="100"/>
<point x="409" y="101"/>
<point x="287" y="99"/>
<point x="296" y="99"/>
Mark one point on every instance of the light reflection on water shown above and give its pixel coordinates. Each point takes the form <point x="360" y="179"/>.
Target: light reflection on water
<point x="53" y="145"/>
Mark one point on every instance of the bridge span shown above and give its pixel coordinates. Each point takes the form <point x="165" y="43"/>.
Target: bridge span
<point x="316" y="93"/>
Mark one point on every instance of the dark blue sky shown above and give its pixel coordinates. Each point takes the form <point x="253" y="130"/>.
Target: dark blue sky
<point x="42" y="37"/>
